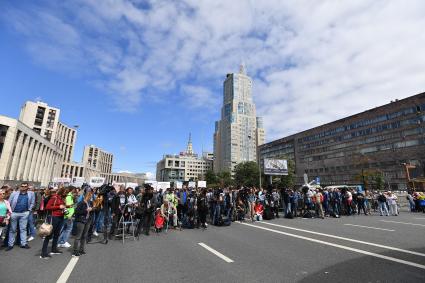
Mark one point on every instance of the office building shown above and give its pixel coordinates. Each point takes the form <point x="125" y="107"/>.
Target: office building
<point x="98" y="159"/>
<point x="380" y="140"/>
<point x="239" y="132"/>
<point x="186" y="166"/>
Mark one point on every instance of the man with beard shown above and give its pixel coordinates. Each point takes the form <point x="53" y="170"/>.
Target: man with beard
<point x="149" y="204"/>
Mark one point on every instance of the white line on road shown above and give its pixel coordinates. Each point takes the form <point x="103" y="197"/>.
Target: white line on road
<point x="368" y="227"/>
<point x="347" y="239"/>
<point x="421" y="218"/>
<point x="341" y="247"/>
<point x="406" y="223"/>
<point x="67" y="271"/>
<point x="220" y="255"/>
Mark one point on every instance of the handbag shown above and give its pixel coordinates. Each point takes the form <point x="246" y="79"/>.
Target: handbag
<point x="46" y="228"/>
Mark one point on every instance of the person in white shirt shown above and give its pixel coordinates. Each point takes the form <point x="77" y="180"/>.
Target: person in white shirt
<point x="392" y="203"/>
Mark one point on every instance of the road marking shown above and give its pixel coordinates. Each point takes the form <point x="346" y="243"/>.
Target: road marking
<point x="67" y="271"/>
<point x="347" y="239"/>
<point x="220" y="255"/>
<point x="421" y="218"/>
<point x="341" y="247"/>
<point x="406" y="223"/>
<point x="370" y="227"/>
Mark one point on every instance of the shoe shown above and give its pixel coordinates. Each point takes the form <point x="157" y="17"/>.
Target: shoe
<point x="45" y="256"/>
<point x="95" y="234"/>
<point x="25" y="247"/>
<point x="76" y="254"/>
<point x="9" y="248"/>
<point x="61" y="245"/>
<point x="30" y="238"/>
<point x="82" y="252"/>
<point x="57" y="252"/>
<point x="67" y="245"/>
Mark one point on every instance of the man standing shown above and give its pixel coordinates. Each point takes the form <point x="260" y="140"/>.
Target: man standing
<point x="68" y="222"/>
<point x="21" y="202"/>
<point x="318" y="201"/>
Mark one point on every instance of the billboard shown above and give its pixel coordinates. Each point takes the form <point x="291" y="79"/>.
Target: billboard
<point x="275" y="167"/>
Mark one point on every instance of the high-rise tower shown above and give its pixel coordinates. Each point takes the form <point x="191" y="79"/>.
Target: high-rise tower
<point x="239" y="132"/>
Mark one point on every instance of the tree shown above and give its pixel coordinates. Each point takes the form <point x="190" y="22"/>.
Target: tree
<point x="224" y="178"/>
<point x="211" y="177"/>
<point x="247" y="174"/>
<point x="379" y="181"/>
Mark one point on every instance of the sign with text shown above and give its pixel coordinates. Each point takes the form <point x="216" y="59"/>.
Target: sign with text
<point x="192" y="185"/>
<point x="275" y="167"/>
<point x="202" y="184"/>
<point x="179" y="185"/>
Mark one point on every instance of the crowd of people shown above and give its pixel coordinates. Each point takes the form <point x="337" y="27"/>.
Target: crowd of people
<point x="88" y="212"/>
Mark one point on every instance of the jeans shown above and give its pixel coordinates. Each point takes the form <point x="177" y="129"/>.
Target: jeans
<point x="31" y="226"/>
<point x="66" y="231"/>
<point x="383" y="208"/>
<point x="57" y="222"/>
<point x="22" y="218"/>
<point x="80" y="239"/>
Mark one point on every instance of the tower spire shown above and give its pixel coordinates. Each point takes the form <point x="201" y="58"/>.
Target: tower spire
<point x="242" y="68"/>
<point x="189" y="149"/>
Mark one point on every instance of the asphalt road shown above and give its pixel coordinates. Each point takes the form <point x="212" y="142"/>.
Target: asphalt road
<point x="377" y="249"/>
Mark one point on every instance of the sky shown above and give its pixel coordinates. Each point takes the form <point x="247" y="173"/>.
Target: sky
<point x="139" y="76"/>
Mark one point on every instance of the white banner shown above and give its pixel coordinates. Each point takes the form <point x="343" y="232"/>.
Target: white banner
<point x="179" y="185"/>
<point x="192" y="185"/>
<point x="163" y="185"/>
<point x="275" y="167"/>
<point x="202" y="184"/>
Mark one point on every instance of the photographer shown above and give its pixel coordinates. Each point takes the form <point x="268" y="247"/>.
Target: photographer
<point x="56" y="206"/>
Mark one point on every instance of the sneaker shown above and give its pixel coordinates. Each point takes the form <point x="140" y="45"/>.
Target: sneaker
<point x="61" y="245"/>
<point x="82" y="252"/>
<point x="9" y="248"/>
<point x="25" y="247"/>
<point x="67" y="245"/>
<point x="57" y="252"/>
<point x="76" y="254"/>
<point x="45" y="256"/>
<point x="30" y="238"/>
<point x="95" y="234"/>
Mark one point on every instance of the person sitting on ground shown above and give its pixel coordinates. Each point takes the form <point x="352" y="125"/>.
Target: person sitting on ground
<point x="259" y="210"/>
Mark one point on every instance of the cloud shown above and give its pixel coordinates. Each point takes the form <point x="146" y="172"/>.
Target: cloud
<point x="150" y="176"/>
<point x="311" y="62"/>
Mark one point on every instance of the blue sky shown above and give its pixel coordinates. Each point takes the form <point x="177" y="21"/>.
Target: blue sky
<point x="138" y="76"/>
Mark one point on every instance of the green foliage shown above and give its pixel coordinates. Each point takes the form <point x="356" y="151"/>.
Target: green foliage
<point x="224" y="178"/>
<point x="211" y="177"/>
<point x="247" y="174"/>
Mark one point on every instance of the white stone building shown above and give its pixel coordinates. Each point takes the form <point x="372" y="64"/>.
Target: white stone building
<point x="239" y="132"/>
<point x="186" y="166"/>
<point x="25" y="155"/>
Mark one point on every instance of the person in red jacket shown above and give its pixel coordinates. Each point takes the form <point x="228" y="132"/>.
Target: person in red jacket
<point x="55" y="208"/>
<point x="258" y="209"/>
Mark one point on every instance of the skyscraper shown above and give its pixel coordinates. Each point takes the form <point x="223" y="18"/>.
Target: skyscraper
<point x="239" y="132"/>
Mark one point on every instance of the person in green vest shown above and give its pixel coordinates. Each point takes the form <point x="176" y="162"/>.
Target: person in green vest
<point x="68" y="214"/>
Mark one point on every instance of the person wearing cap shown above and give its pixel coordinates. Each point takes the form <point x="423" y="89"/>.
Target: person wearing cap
<point x="21" y="203"/>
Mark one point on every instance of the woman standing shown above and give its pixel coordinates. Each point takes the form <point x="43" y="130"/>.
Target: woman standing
<point x="56" y="208"/>
<point x="82" y="215"/>
<point x="5" y="211"/>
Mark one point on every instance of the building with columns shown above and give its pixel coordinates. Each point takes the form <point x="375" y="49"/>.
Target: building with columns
<point x="25" y="155"/>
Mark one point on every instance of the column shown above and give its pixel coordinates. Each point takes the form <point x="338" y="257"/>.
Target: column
<point x="34" y="161"/>
<point x="6" y="158"/>
<point x="28" y="162"/>
<point x="16" y="156"/>
<point x="40" y="164"/>
<point x="23" y="158"/>
<point x="47" y="168"/>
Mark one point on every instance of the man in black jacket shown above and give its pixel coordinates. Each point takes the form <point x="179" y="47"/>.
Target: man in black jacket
<point x="117" y="209"/>
<point x="149" y="203"/>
